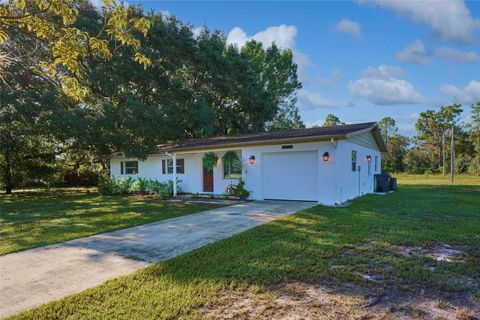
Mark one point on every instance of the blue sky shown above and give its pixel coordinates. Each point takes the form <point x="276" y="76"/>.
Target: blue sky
<point x="360" y="60"/>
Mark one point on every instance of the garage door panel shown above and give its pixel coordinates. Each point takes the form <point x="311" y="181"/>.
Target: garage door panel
<point x="290" y="175"/>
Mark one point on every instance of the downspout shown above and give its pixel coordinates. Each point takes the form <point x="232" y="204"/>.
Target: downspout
<point x="334" y="142"/>
<point x="335" y="145"/>
<point x="174" y="159"/>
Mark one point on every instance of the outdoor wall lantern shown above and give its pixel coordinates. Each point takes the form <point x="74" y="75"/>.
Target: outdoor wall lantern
<point x="326" y="156"/>
<point x="369" y="158"/>
<point x="252" y="159"/>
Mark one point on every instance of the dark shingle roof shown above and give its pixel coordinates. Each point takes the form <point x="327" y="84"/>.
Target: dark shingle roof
<point x="294" y="135"/>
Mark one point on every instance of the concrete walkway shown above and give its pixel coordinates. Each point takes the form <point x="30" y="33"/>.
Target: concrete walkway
<point x="33" y="277"/>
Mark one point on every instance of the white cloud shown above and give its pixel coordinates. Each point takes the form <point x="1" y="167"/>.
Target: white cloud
<point x="468" y="94"/>
<point x="457" y="55"/>
<point x="415" y="53"/>
<point x="303" y="62"/>
<point x="196" y="31"/>
<point x="312" y="100"/>
<point x="166" y="13"/>
<point x="406" y="123"/>
<point x="283" y="36"/>
<point x="95" y="3"/>
<point x="450" y="20"/>
<point x="381" y="86"/>
<point x="350" y="27"/>
<point x="383" y="71"/>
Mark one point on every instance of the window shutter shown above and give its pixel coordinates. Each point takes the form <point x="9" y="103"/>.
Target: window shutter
<point x="121" y="167"/>
<point x="163" y="167"/>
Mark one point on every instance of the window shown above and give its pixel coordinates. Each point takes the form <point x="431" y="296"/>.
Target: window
<point x="131" y="167"/>
<point x="233" y="171"/>
<point x="354" y="160"/>
<point x="167" y="166"/>
<point x="376" y="163"/>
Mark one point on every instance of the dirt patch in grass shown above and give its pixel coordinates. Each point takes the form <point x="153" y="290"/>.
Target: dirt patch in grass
<point x="299" y="300"/>
<point x="438" y="252"/>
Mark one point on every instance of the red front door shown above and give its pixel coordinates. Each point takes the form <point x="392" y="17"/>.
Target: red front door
<point x="207" y="180"/>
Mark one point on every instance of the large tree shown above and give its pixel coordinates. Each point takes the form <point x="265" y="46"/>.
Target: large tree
<point x="195" y="86"/>
<point x="394" y="159"/>
<point x="287" y="117"/>
<point x="28" y="105"/>
<point x="278" y="77"/>
<point x="51" y="24"/>
<point x="388" y="128"/>
<point x="331" y="120"/>
<point x="397" y="146"/>
<point x="432" y="126"/>
<point x="474" y="138"/>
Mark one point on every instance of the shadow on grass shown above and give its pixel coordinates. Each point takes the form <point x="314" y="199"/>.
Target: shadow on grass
<point x="32" y="221"/>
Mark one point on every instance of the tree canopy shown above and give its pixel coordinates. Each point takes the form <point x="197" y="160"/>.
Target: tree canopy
<point x="63" y="47"/>
<point x="117" y="79"/>
<point x="331" y="120"/>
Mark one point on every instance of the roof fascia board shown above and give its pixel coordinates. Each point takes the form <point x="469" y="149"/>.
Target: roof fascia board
<point x="258" y="143"/>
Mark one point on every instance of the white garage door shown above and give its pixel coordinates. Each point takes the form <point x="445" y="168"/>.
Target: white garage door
<point x="290" y="175"/>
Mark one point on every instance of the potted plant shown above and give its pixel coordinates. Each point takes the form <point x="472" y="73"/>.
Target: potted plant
<point x="241" y="192"/>
<point x="209" y="160"/>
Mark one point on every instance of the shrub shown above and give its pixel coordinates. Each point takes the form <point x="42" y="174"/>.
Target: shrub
<point x="154" y="186"/>
<point x="141" y="185"/>
<point x="240" y="190"/>
<point x="115" y="185"/>
<point x="124" y="185"/>
<point x="104" y="185"/>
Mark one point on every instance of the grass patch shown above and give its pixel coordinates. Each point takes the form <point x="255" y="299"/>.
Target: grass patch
<point x="34" y="219"/>
<point x="348" y="245"/>
<point x="437" y="179"/>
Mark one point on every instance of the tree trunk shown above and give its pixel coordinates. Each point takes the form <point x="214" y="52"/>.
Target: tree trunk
<point x="8" y="175"/>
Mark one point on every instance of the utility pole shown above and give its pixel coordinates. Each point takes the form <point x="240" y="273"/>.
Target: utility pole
<point x="443" y="154"/>
<point x="452" y="160"/>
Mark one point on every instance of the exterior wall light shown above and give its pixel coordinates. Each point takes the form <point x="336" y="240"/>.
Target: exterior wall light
<point x="326" y="156"/>
<point x="252" y="159"/>
<point x="369" y="158"/>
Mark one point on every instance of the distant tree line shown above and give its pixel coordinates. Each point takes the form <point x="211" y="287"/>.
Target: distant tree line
<point x="429" y="150"/>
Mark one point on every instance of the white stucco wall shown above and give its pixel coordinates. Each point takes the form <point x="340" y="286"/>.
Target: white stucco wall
<point x="337" y="182"/>
<point x="352" y="184"/>
<point x="326" y="170"/>
<point x="191" y="180"/>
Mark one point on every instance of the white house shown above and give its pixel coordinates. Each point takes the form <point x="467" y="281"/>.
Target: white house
<point x="328" y="165"/>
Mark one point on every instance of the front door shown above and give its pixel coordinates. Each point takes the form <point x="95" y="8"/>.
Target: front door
<point x="207" y="180"/>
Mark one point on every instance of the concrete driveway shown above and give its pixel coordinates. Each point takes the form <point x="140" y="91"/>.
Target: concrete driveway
<point x="33" y="277"/>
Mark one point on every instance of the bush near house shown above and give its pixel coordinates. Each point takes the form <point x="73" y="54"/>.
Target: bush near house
<point x="115" y="185"/>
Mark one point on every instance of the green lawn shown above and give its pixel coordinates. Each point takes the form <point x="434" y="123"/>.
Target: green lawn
<point x="437" y="179"/>
<point x="340" y="248"/>
<point x="32" y="219"/>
